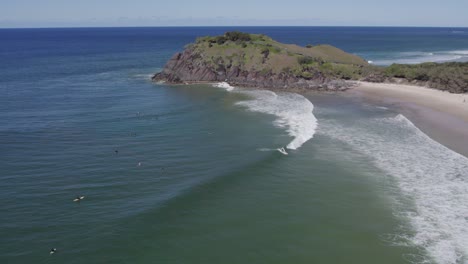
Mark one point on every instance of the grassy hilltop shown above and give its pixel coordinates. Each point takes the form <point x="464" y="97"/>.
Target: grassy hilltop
<point x="261" y="53"/>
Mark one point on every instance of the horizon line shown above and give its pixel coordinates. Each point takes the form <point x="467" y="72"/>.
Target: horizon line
<point x="228" y="26"/>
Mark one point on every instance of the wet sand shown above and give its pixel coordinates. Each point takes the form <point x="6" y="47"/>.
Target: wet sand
<point x="441" y="115"/>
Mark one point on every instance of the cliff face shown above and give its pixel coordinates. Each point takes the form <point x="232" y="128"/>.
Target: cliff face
<point x="260" y="62"/>
<point x="185" y="68"/>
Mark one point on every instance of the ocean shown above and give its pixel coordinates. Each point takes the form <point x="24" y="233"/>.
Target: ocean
<point x="192" y="174"/>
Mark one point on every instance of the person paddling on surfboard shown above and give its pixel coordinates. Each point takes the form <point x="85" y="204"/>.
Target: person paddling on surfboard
<point x="78" y="198"/>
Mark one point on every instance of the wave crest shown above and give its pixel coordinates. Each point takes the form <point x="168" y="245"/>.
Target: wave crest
<point x="293" y="112"/>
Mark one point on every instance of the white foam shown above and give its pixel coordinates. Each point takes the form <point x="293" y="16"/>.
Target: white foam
<point x="433" y="176"/>
<point x="282" y="151"/>
<point x="382" y="107"/>
<point x="427" y="57"/>
<point x="459" y="52"/>
<point x="143" y="76"/>
<point x="293" y="112"/>
<point x="415" y="57"/>
<point x="265" y="149"/>
<point x="224" y="85"/>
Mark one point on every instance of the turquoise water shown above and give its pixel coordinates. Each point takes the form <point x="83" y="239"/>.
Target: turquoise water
<point x="197" y="177"/>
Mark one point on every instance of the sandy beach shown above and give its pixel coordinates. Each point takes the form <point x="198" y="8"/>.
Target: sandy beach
<point x="441" y="115"/>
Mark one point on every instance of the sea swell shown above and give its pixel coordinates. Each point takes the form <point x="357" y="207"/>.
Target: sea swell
<point x="293" y="111"/>
<point x="415" y="57"/>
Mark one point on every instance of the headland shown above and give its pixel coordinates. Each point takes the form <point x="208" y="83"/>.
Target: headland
<point x="435" y="94"/>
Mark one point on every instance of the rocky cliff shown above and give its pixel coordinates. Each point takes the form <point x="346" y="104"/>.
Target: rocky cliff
<point x="258" y="61"/>
<point x="253" y="60"/>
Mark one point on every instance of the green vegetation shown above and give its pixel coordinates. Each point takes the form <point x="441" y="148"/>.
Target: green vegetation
<point x="235" y="36"/>
<point x="304" y="60"/>
<point x="260" y="54"/>
<point x="451" y="76"/>
<point x="256" y="52"/>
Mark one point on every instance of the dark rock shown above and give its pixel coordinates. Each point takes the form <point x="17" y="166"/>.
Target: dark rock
<point x="187" y="67"/>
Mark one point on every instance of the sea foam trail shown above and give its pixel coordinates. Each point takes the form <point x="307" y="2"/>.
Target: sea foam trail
<point x="146" y="77"/>
<point x="433" y="176"/>
<point x="293" y="112"/>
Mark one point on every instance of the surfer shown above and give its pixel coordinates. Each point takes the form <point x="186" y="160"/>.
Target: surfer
<point x="52" y="251"/>
<point x="78" y="198"/>
<point x="282" y="151"/>
<point x="116" y="151"/>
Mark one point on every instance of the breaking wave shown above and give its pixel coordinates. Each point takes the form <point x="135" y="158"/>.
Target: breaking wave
<point x="293" y="112"/>
<point x="224" y="85"/>
<point x="434" y="177"/>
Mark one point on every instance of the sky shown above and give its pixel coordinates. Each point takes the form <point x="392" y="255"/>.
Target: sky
<point x="105" y="13"/>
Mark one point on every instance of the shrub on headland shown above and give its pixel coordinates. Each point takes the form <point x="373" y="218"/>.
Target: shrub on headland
<point x="451" y="76"/>
<point x="305" y="60"/>
<point x="236" y="35"/>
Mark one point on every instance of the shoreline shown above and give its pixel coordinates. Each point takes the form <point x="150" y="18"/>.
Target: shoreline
<point x="441" y="115"/>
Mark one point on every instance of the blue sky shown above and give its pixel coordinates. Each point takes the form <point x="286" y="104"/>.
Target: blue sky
<point x="67" y="13"/>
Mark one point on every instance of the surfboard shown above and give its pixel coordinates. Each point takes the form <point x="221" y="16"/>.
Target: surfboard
<point x="78" y="199"/>
<point x="282" y="151"/>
